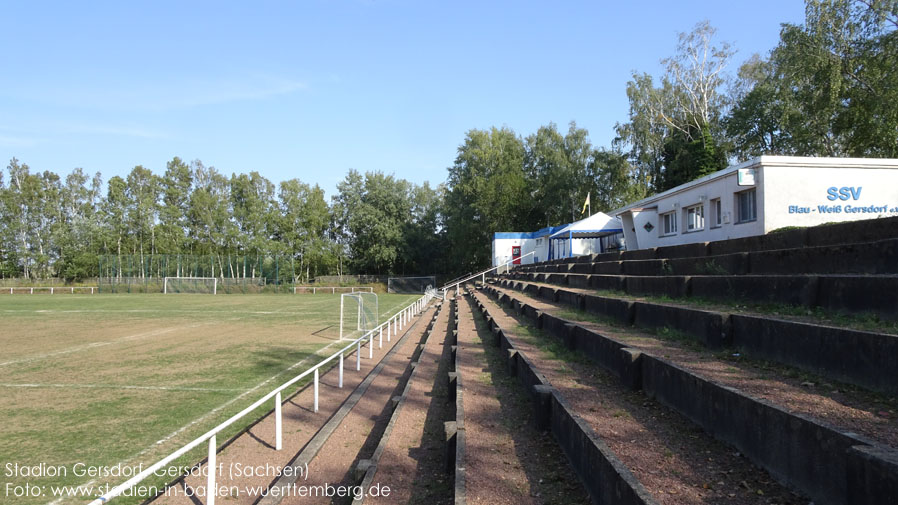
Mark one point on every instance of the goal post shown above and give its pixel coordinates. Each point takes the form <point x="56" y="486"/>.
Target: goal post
<point x="359" y="311"/>
<point x="190" y="285"/>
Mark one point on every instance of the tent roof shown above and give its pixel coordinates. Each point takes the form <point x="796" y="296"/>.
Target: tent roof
<point x="596" y="225"/>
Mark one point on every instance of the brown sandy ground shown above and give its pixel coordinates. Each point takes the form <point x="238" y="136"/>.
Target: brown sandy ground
<point x="845" y="407"/>
<point x="673" y="459"/>
<point x="358" y="434"/>
<point x="412" y="463"/>
<point x="507" y="460"/>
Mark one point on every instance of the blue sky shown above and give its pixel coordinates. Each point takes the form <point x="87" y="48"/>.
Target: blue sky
<point x="310" y="89"/>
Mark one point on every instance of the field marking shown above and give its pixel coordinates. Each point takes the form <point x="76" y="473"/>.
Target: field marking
<point x="94" y="345"/>
<point x="206" y="416"/>
<point x="222" y="406"/>
<point x="120" y="386"/>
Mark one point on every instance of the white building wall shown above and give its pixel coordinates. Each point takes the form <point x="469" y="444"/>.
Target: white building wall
<point x="502" y="249"/>
<point x="808" y="196"/>
<point x="790" y="191"/>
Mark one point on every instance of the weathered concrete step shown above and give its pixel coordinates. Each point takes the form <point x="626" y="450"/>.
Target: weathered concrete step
<point x="843" y="293"/>
<point x="851" y="232"/>
<point x="455" y="428"/>
<point x="405" y="449"/>
<point x="606" y="479"/>
<point x="506" y="440"/>
<point x="328" y="457"/>
<point x="871" y="258"/>
<point x="831" y="466"/>
<point x="866" y="359"/>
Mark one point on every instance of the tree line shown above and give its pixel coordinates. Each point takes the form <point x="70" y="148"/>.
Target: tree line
<point x="829" y="88"/>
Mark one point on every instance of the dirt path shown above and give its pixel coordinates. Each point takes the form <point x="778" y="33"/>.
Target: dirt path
<point x="358" y="434"/>
<point x="844" y="407"/>
<point x="412" y="464"/>
<point x="255" y="449"/>
<point x="675" y="460"/>
<point x="507" y="460"/>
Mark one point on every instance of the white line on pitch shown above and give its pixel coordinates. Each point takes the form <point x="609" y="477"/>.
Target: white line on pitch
<point x="119" y="386"/>
<point x="93" y="345"/>
<point x="208" y="414"/>
<point x="218" y="409"/>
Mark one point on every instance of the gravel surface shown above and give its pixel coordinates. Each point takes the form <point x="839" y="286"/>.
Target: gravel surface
<point x="847" y="408"/>
<point x="507" y="460"/>
<point x="412" y="464"/>
<point x="675" y="460"/>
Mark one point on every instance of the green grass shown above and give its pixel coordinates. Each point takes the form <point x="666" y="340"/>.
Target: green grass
<point x="77" y="354"/>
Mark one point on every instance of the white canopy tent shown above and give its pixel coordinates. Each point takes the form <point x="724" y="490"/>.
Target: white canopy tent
<point x="595" y="226"/>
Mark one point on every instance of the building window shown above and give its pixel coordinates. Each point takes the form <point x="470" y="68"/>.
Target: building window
<point x="539" y="241"/>
<point x="695" y="218"/>
<point x="716" y="209"/>
<point x="669" y="223"/>
<point x="746" y="206"/>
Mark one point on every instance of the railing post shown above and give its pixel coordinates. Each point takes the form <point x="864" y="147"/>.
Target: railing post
<point x="277" y="422"/>
<point x="371" y="346"/>
<point x="341" y="369"/>
<point x="389" y="330"/>
<point x="315" y="409"/>
<point x="380" y="343"/>
<point x="395" y="326"/>
<point x="358" y="355"/>
<point x="210" y="479"/>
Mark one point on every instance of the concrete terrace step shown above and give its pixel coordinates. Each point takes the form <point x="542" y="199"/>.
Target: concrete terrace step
<point x="844" y="293"/>
<point x="353" y="432"/>
<point x="831" y="466"/>
<point x="625" y="447"/>
<point x="866" y="359"/>
<point x="410" y="456"/>
<point x="508" y="459"/>
<point x="870" y="258"/>
<point x="851" y="232"/>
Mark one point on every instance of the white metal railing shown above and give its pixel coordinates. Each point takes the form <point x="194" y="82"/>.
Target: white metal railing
<point x="333" y="289"/>
<point x="394" y="323"/>
<point x="482" y="274"/>
<point x="53" y="289"/>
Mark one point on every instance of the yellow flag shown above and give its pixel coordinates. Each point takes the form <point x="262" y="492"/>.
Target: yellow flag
<point x="585" y="204"/>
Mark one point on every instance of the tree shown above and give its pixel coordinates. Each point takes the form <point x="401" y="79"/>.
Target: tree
<point x="487" y="191"/>
<point x="142" y="204"/>
<point x="175" y="186"/>
<point x="556" y="166"/>
<point x="682" y="114"/>
<point x="302" y="227"/>
<point x="612" y="180"/>
<point x="829" y="88"/>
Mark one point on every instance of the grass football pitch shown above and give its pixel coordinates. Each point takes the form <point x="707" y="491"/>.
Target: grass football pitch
<point x="99" y="380"/>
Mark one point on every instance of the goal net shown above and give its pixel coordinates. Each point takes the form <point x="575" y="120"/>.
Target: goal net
<point x="359" y="312"/>
<point x="204" y="285"/>
<point x="410" y="285"/>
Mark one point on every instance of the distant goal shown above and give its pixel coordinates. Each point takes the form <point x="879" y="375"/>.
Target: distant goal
<point x="359" y="312"/>
<point x="201" y="285"/>
<point x="408" y="285"/>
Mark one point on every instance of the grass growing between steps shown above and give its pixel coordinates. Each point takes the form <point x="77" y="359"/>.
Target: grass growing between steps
<point x="864" y="321"/>
<point x="552" y="346"/>
<point x="552" y="479"/>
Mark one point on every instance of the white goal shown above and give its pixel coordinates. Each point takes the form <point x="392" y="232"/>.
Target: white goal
<point x="190" y="285"/>
<point x="359" y="311"/>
